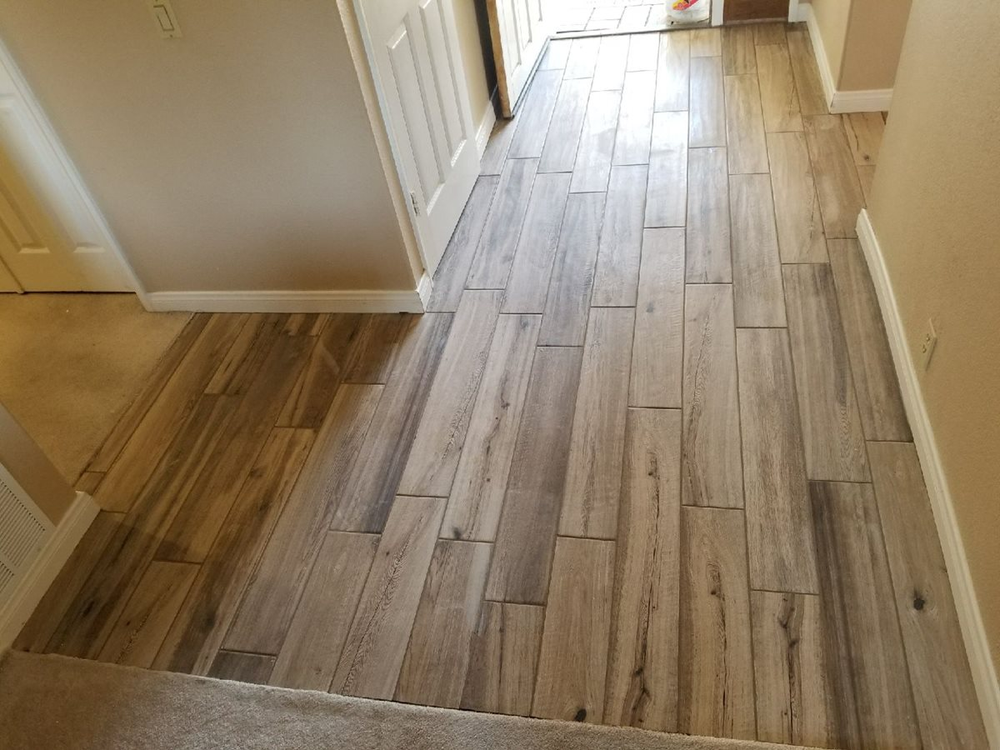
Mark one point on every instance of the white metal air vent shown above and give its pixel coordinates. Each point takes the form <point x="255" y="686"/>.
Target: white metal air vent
<point x="23" y="531"/>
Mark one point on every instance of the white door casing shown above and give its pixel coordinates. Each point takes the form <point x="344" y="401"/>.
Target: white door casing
<point x="417" y="66"/>
<point x="51" y="236"/>
<point x="519" y="30"/>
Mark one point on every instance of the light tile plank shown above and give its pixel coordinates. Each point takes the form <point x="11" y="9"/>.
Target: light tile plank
<point x="634" y="17"/>
<point x="667" y="186"/>
<point x="778" y="97"/>
<point x="812" y="100"/>
<point x="867" y="664"/>
<point x="317" y="632"/>
<point x="556" y="54"/>
<point x="945" y="696"/>
<point x="374" y="473"/>
<point x="715" y="673"/>
<point x="136" y="411"/>
<point x="144" y="623"/>
<point x="523" y="551"/>
<point x="831" y="424"/>
<point x="449" y="279"/>
<point x="503" y="659"/>
<point x="495" y="155"/>
<point x="434" y="669"/>
<point x="794" y="705"/>
<point x="240" y="667"/>
<point x="880" y="403"/>
<point x="642" y="678"/>
<point x="779" y="537"/>
<point x="658" y="340"/>
<point x="706" y="42"/>
<point x="616" y="277"/>
<point x="837" y="186"/>
<point x="376" y="350"/>
<point x="765" y="34"/>
<point x="535" y="115"/>
<point x="756" y="262"/>
<point x="609" y="73"/>
<point x="711" y="466"/>
<point x="568" y="300"/>
<point x="593" y="477"/>
<point x="745" y="126"/>
<point x="864" y="136"/>
<point x="582" y="58"/>
<point x="573" y="661"/>
<point x="491" y="266"/>
<point x="866" y="175"/>
<point x="477" y="494"/>
<point x="536" y="248"/>
<point x="796" y="206"/>
<point x="708" y="109"/>
<point x="643" y="52"/>
<point x="269" y="602"/>
<point x="738" y="55"/>
<point x="376" y="642"/>
<point x="563" y="139"/>
<point x="151" y="439"/>
<point x="708" y="257"/>
<point x="437" y="445"/>
<point x="673" y="72"/>
<point x="201" y="515"/>
<point x="310" y="399"/>
<point x="42" y="624"/>
<point x="200" y="627"/>
<point x="593" y="157"/>
<point x="635" y="119"/>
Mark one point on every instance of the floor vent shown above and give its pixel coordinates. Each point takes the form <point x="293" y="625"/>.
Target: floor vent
<point x="23" y="531"/>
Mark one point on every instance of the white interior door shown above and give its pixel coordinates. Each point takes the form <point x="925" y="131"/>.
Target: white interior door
<point x="519" y="29"/>
<point x="50" y="240"/>
<point x="418" y="66"/>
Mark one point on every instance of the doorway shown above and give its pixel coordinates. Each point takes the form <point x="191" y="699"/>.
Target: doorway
<point x="626" y="16"/>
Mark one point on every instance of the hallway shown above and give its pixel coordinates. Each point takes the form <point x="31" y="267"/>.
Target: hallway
<point x="644" y="462"/>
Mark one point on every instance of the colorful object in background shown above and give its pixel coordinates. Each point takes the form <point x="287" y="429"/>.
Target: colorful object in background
<point x="687" y="11"/>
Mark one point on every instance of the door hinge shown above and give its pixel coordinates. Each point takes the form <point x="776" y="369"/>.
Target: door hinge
<point x="413" y="202"/>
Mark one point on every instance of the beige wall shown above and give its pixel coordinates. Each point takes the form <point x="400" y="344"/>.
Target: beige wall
<point x="22" y="457"/>
<point x="238" y="157"/>
<point x="471" y="43"/>
<point x="935" y="211"/>
<point x="862" y="40"/>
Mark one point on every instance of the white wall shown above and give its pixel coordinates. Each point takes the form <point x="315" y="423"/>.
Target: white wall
<point x="239" y="157"/>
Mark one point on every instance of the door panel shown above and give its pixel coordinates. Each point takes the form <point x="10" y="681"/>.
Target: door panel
<point x="417" y="64"/>
<point x="519" y="30"/>
<point x="49" y="238"/>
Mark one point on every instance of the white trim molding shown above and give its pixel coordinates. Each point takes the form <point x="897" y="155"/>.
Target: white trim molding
<point x="840" y="102"/>
<point x="486" y="123"/>
<point x="43" y="571"/>
<point x="293" y="301"/>
<point x="973" y="632"/>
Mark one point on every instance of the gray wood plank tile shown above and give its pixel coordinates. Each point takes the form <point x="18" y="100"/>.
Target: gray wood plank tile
<point x="617" y="274"/>
<point x="597" y="142"/>
<point x="667" y="186"/>
<point x="708" y="252"/>
<point x="756" y="263"/>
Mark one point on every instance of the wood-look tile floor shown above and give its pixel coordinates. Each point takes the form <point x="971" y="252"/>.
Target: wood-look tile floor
<point x="644" y="463"/>
<point x="607" y="15"/>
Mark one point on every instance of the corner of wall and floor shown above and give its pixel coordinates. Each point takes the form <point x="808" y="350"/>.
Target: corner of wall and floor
<point x="959" y="574"/>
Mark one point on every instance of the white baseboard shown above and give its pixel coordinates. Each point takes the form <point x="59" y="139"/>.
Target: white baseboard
<point x="46" y="567"/>
<point x="334" y="300"/>
<point x="797" y="11"/>
<point x="974" y="634"/>
<point x="485" y="129"/>
<point x="840" y="102"/>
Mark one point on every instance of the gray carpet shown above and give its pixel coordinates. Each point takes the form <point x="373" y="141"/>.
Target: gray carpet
<point x="54" y="702"/>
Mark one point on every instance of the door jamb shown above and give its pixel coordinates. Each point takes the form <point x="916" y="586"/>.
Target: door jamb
<point x="70" y="179"/>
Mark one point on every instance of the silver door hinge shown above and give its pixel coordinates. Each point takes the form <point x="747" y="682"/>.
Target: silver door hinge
<point x="413" y="202"/>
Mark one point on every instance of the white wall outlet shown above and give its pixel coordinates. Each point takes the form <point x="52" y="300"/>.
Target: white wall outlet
<point x="927" y="344"/>
<point x="164" y="18"/>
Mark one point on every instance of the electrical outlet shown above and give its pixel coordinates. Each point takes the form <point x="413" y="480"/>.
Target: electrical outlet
<point x="927" y="345"/>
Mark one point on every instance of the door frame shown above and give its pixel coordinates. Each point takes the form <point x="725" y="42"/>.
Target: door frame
<point x="361" y="47"/>
<point x="64" y="188"/>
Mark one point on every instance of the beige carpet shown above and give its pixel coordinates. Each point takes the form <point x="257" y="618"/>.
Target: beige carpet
<point x="55" y="702"/>
<point x="71" y="363"/>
